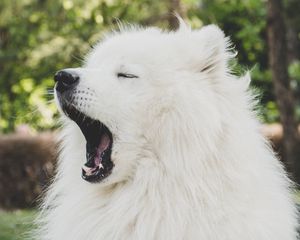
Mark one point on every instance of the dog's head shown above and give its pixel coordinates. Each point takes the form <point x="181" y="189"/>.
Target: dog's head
<point x="129" y="83"/>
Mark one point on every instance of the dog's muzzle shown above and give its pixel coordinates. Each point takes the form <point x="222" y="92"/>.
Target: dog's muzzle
<point x="99" y="139"/>
<point x="66" y="80"/>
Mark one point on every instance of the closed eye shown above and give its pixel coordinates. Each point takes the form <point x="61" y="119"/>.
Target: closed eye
<point x="126" y="75"/>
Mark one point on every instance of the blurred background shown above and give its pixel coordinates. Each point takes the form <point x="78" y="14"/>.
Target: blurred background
<point x="39" y="37"/>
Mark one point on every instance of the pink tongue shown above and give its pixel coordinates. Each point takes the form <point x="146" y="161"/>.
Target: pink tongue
<point x="97" y="161"/>
<point x="104" y="143"/>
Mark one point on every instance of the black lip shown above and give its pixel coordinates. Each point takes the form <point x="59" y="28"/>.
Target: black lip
<point x="92" y="130"/>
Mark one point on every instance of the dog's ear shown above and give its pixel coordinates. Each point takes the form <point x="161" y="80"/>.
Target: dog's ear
<point x="212" y="54"/>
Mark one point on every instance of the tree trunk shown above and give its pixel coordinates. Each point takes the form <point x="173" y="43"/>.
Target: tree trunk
<point x="292" y="44"/>
<point x="292" y="24"/>
<point x="283" y="92"/>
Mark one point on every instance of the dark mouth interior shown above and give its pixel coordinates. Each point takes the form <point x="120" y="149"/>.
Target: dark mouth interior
<point x="98" y="145"/>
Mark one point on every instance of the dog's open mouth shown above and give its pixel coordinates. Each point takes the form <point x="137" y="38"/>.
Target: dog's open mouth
<point x="98" y="145"/>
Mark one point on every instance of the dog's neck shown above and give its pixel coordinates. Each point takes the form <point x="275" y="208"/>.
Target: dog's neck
<point x="160" y="196"/>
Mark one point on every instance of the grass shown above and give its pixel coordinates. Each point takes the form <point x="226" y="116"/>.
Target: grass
<point x="16" y="224"/>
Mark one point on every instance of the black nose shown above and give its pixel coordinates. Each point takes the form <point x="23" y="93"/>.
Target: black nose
<point x="65" y="80"/>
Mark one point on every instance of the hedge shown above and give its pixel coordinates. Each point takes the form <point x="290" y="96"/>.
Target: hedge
<point x="26" y="166"/>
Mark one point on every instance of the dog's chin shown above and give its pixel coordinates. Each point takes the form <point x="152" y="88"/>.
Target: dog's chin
<point x="99" y="142"/>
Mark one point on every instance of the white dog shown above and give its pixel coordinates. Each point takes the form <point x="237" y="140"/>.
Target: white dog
<point x="167" y="143"/>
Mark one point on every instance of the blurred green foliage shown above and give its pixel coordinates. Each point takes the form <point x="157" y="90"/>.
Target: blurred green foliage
<point x="39" y="37"/>
<point x="16" y="225"/>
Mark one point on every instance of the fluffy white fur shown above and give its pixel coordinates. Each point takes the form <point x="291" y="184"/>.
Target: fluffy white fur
<point x="190" y="161"/>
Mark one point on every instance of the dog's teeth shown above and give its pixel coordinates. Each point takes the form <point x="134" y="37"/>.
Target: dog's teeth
<point x="88" y="171"/>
